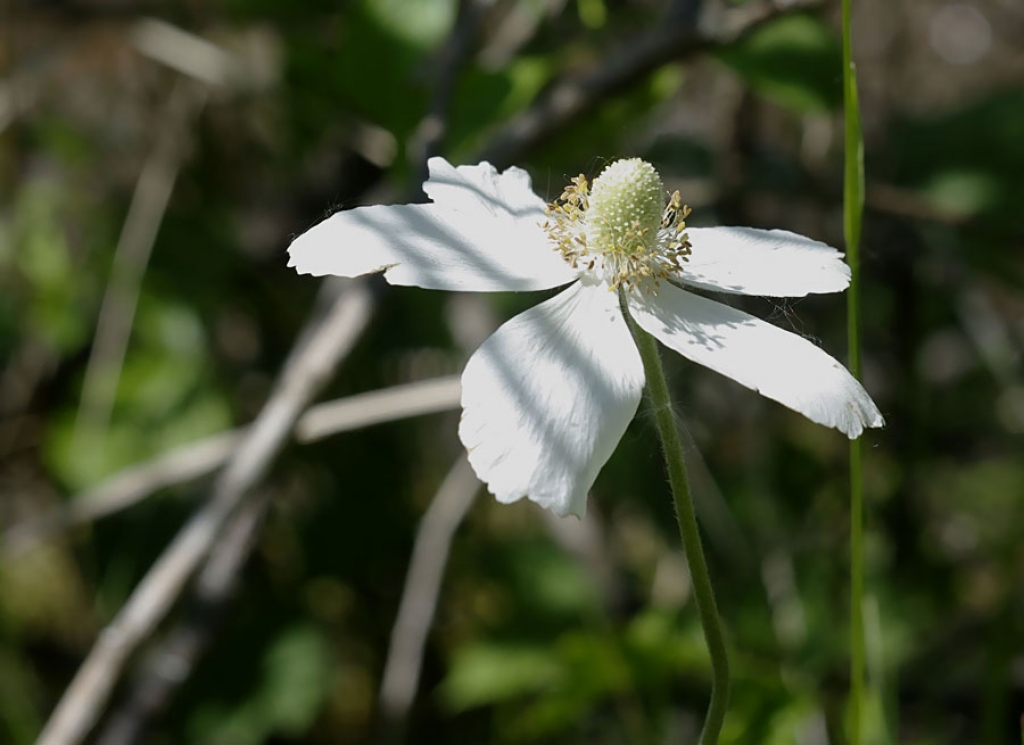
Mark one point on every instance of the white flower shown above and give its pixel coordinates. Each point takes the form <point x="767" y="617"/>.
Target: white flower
<point x="548" y="396"/>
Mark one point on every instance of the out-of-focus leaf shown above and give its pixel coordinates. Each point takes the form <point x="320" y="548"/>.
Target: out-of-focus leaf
<point x="423" y="25"/>
<point x="43" y="592"/>
<point x="799" y="721"/>
<point x="961" y="193"/>
<point x="968" y="164"/>
<point x="43" y="258"/>
<point x="295" y="683"/>
<point x="794" y="61"/>
<point x="663" y="647"/>
<point x="486" y="99"/>
<point x="19" y="721"/>
<point x="597" y="664"/>
<point x="486" y="673"/>
<point x="551" y="582"/>
<point x="594" y="670"/>
<point x="592" y="139"/>
<point x="976" y="506"/>
<point x="593" y="13"/>
<point x="162" y="400"/>
<point x="388" y="43"/>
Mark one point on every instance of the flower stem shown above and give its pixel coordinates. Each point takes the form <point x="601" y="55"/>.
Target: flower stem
<point x="672" y="448"/>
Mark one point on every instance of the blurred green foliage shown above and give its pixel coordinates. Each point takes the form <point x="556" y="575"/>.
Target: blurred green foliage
<point x="792" y="61"/>
<point x="535" y="641"/>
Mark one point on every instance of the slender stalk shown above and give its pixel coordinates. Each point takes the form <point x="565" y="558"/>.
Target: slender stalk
<point x="857" y="653"/>
<point x="853" y="209"/>
<point x="672" y="448"/>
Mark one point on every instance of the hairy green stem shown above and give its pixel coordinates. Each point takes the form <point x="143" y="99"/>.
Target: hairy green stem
<point x="672" y="448"/>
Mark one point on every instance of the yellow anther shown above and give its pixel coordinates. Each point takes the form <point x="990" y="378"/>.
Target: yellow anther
<point x="622" y="227"/>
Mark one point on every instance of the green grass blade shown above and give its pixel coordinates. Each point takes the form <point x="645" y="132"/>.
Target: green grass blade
<point x="853" y="210"/>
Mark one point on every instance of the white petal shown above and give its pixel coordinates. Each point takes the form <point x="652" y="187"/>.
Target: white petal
<point x="773" y="362"/>
<point x="481" y="233"/>
<point x="547" y="397"/>
<point x="774" y="263"/>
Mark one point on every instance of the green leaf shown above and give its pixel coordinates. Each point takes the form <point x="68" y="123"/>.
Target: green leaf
<point x="297" y="680"/>
<point x="487" y="673"/>
<point x="294" y="687"/>
<point x="967" y="164"/>
<point x="792" y="61"/>
<point x="552" y="583"/>
<point x="163" y="400"/>
<point x="44" y="259"/>
<point x="419" y="24"/>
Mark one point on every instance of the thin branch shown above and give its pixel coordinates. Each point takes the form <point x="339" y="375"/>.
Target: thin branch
<point x="577" y="95"/>
<point x="124" y="489"/>
<point x="515" y="30"/>
<point x="131" y="257"/>
<point x="170" y="664"/>
<point x="910" y="204"/>
<point x="433" y="128"/>
<point x="197" y="459"/>
<point x="387" y="405"/>
<point x="18" y="91"/>
<point x="186" y="52"/>
<point x="28" y="366"/>
<point x="471" y="320"/>
<point x="420" y="594"/>
<point x="325" y="342"/>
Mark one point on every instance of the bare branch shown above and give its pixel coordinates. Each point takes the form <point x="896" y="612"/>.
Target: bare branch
<point x="203" y="457"/>
<point x="574" y="96"/>
<point x="515" y="30"/>
<point x="28" y="366"/>
<point x="188" y="53"/>
<point x="326" y="341"/>
<point x="420" y="594"/>
<point x="471" y="320"/>
<point x="234" y="66"/>
<point x="131" y="257"/>
<point x="124" y="489"/>
<point x="433" y="128"/>
<point x="387" y="405"/>
<point x="174" y="658"/>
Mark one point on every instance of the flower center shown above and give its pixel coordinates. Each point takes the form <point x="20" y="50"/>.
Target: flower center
<point x="622" y="230"/>
<point x="625" y="208"/>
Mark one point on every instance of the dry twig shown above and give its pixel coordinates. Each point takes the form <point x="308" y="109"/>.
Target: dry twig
<point x="326" y="341"/>
<point x="169" y="665"/>
<point x="419" y="596"/>
<point x="572" y="97"/>
<point x="131" y="257"/>
<point x="202" y="457"/>
<point x="433" y="128"/>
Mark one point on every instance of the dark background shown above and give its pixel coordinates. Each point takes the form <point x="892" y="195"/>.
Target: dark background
<point x="257" y="118"/>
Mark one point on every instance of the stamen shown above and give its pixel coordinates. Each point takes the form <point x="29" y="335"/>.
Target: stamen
<point x="622" y="228"/>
